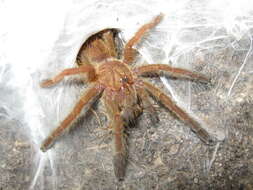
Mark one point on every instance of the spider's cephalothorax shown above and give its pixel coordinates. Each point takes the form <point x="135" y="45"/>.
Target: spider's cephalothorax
<point x="106" y="65"/>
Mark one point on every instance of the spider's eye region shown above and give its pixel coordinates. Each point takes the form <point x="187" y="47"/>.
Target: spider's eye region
<point x="124" y="79"/>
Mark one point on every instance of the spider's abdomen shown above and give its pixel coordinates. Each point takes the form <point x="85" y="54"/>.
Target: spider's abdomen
<point x="115" y="75"/>
<point x="99" y="47"/>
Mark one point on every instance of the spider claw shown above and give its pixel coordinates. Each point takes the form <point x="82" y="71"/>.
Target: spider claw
<point x="203" y="79"/>
<point x="154" y="118"/>
<point x="43" y="148"/>
<point x="158" y="18"/>
<point x="205" y="137"/>
<point x="46" y="83"/>
<point x="119" y="163"/>
<point x="46" y="144"/>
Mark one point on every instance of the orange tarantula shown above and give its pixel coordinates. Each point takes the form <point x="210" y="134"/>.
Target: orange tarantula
<point x="122" y="88"/>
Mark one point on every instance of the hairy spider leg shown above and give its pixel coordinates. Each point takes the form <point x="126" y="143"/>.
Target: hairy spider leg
<point x="86" y="68"/>
<point x="147" y="105"/>
<point x="129" y="51"/>
<point x="171" y="71"/>
<point x="180" y="113"/>
<point x="88" y="96"/>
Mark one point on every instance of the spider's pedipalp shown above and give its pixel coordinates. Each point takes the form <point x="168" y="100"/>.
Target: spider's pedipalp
<point x="129" y="51"/>
<point x="119" y="142"/>
<point x="156" y="69"/>
<point x="120" y="153"/>
<point x="180" y="113"/>
<point x="88" y="96"/>
<point x="86" y="68"/>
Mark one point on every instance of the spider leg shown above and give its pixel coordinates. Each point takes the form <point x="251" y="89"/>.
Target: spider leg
<point x="88" y="96"/>
<point x="180" y="113"/>
<point x="147" y="105"/>
<point x="129" y="51"/>
<point x="119" y="142"/>
<point x="87" y="68"/>
<point x="152" y="69"/>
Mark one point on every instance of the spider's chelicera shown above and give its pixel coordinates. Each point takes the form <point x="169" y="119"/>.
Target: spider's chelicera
<point x="122" y="88"/>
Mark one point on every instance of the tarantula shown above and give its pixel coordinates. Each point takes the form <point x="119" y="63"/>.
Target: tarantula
<point x="122" y="88"/>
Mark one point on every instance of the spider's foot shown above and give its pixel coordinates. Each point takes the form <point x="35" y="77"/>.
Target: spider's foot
<point x="46" y="83"/>
<point x="210" y="141"/>
<point x="46" y="144"/>
<point x="158" y="18"/>
<point x="206" y="137"/>
<point x="43" y="148"/>
<point x="119" y="163"/>
<point x="154" y="119"/>
<point x="204" y="79"/>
